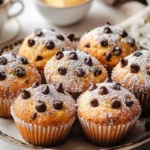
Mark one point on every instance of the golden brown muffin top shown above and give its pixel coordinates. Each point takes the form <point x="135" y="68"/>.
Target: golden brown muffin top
<point x="108" y="103"/>
<point x="108" y="44"/>
<point x="75" y="70"/>
<point x="44" y="105"/>
<point x="16" y="73"/>
<point x="133" y="72"/>
<point x="40" y="46"/>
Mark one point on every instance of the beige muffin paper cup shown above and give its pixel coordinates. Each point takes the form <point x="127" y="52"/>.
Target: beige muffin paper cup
<point x="144" y="99"/>
<point x="5" y="105"/>
<point x="42" y="136"/>
<point x="106" y="135"/>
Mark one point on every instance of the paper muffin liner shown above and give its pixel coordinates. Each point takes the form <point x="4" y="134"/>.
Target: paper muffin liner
<point x="5" y="105"/>
<point x="144" y="99"/>
<point x="40" y="135"/>
<point x="106" y="135"/>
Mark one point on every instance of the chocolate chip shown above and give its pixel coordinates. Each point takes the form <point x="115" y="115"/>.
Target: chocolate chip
<point x="73" y="56"/>
<point x="3" y="60"/>
<point x="58" y="104"/>
<point x="108" y="23"/>
<point x="131" y="41"/>
<point x="26" y="94"/>
<point x="60" y="88"/>
<point x="147" y="126"/>
<point x="45" y="89"/>
<point x="97" y="71"/>
<point x="134" y="68"/>
<point x="137" y="54"/>
<point x="24" y="60"/>
<point x="14" y="55"/>
<point x="51" y="29"/>
<point x="62" y="70"/>
<point x="36" y="84"/>
<point x="115" y="103"/>
<point x="117" y="50"/>
<point x="124" y="62"/>
<point x="117" y="86"/>
<point x="27" y="81"/>
<point x="107" y="30"/>
<point x="103" y="90"/>
<point x="31" y="42"/>
<point x="87" y="45"/>
<point x="94" y="103"/>
<point x="40" y="106"/>
<point x="50" y="45"/>
<point x="20" y="72"/>
<point x="38" y="58"/>
<point x="80" y="72"/>
<point x="71" y="37"/>
<point x="129" y="102"/>
<point x="1" y="51"/>
<point x="59" y="55"/>
<point x="148" y="72"/>
<point x="92" y="87"/>
<point x="88" y="61"/>
<point x="2" y="75"/>
<point x="1" y="2"/>
<point x="60" y="37"/>
<point x="34" y="116"/>
<point x="124" y="34"/>
<point x="104" y="43"/>
<point x="108" y="56"/>
<point x="38" y="32"/>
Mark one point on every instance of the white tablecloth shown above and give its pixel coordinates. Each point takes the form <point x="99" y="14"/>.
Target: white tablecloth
<point x="98" y="15"/>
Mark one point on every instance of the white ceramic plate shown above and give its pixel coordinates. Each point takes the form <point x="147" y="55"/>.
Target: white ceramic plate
<point x="76" y="140"/>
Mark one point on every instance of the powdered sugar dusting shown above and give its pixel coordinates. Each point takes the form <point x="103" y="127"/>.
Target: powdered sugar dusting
<point x="99" y="35"/>
<point x="72" y="67"/>
<point x="136" y="81"/>
<point x="49" y="35"/>
<point x="52" y="96"/>
<point x="104" y="110"/>
<point x="11" y="80"/>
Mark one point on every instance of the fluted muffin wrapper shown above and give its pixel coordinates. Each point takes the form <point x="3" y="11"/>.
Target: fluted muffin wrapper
<point x="5" y="105"/>
<point x="144" y="99"/>
<point x="40" y="135"/>
<point x="106" y="135"/>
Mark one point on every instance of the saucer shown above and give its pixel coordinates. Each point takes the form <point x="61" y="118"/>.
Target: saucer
<point x="9" y="31"/>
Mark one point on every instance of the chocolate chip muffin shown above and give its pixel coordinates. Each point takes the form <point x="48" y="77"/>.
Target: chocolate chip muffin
<point x="40" y="46"/>
<point x="44" y="115"/>
<point x="108" y="44"/>
<point x="107" y="113"/>
<point x="74" y="71"/>
<point x="16" y="74"/>
<point x="133" y="73"/>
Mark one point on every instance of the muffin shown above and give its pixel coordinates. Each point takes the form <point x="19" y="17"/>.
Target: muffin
<point x="74" y="70"/>
<point x="108" y="44"/>
<point x="44" y="115"/>
<point x="107" y="113"/>
<point x="16" y="74"/>
<point x="133" y="73"/>
<point x="40" y="46"/>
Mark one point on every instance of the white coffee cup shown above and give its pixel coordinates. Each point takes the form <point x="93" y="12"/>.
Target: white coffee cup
<point x="4" y="11"/>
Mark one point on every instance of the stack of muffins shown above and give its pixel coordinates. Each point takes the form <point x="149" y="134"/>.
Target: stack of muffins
<point x="103" y="82"/>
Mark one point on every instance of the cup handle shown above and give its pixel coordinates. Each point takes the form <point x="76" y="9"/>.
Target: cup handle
<point x="13" y="2"/>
